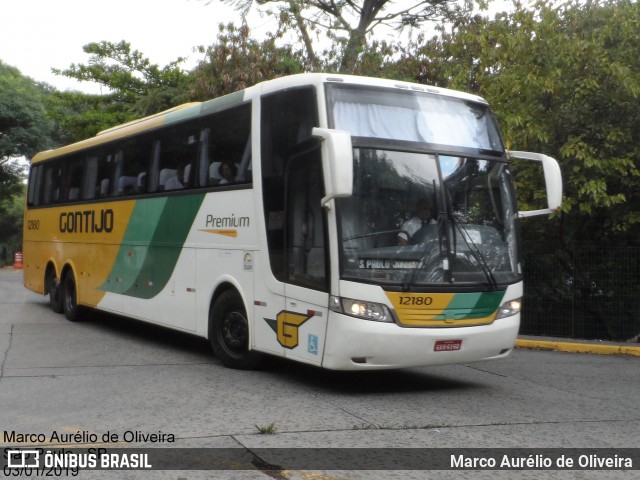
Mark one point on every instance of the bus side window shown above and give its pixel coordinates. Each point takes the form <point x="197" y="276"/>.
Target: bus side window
<point x="33" y="193"/>
<point x="225" y="155"/>
<point x="90" y="177"/>
<point x="132" y="158"/>
<point x="47" y="184"/>
<point x="104" y="178"/>
<point x="97" y="175"/>
<point x="71" y="179"/>
<point x="175" y="152"/>
<point x="52" y="182"/>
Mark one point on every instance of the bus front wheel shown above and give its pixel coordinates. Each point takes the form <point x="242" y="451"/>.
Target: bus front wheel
<point x="229" y="333"/>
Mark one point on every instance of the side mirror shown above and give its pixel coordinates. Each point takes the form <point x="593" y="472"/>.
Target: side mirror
<point x="337" y="162"/>
<point x="552" y="180"/>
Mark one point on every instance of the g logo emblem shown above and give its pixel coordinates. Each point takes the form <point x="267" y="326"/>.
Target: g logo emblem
<point x="286" y="326"/>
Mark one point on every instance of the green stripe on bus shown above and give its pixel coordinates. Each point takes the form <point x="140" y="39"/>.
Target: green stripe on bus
<point x="166" y="245"/>
<point x="490" y="300"/>
<point x="221" y="103"/>
<point x="134" y="247"/>
<point x="210" y="106"/>
<point x="182" y="114"/>
<point x="152" y="244"/>
<point x="474" y="305"/>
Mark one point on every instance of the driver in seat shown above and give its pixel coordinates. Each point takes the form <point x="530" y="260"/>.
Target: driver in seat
<point x="421" y="218"/>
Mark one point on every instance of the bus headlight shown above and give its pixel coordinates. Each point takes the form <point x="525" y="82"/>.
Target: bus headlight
<point x="509" y="308"/>
<point x="361" y="309"/>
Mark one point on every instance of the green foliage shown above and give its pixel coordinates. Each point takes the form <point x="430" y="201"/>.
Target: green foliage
<point x="135" y="88"/>
<point x="78" y="116"/>
<point x="347" y="25"/>
<point x="563" y="80"/>
<point x="24" y="129"/>
<point x="236" y="61"/>
<point x="132" y="79"/>
<point x="11" y="208"/>
<point x="269" y="429"/>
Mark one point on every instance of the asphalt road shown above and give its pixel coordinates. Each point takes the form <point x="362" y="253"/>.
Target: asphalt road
<point x="129" y="380"/>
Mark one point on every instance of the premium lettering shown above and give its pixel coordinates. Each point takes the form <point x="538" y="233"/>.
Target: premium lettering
<point x="227" y="222"/>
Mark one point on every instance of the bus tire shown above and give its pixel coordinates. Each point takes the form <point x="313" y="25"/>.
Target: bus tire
<point x="70" y="298"/>
<point x="52" y="286"/>
<point x="229" y="332"/>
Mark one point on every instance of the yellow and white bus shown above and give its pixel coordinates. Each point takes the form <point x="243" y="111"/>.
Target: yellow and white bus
<point x="346" y="222"/>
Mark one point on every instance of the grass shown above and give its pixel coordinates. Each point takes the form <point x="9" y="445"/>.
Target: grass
<point x="267" y="429"/>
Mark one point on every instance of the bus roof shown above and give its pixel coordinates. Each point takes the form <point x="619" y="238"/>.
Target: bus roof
<point x="322" y="78"/>
<point x="196" y="109"/>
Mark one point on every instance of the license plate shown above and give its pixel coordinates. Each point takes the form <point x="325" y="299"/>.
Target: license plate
<point x="447" y="345"/>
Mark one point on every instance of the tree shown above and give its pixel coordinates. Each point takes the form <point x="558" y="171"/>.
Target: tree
<point x="77" y="115"/>
<point x="563" y="79"/>
<point x="24" y="127"/>
<point x="133" y="81"/>
<point x="24" y="130"/>
<point x="11" y="219"/>
<point x="348" y="23"/>
<point x="236" y="61"/>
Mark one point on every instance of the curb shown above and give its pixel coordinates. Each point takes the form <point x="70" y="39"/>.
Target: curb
<point x="578" y="347"/>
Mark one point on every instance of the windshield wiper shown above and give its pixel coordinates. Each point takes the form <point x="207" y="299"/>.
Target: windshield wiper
<point x="475" y="252"/>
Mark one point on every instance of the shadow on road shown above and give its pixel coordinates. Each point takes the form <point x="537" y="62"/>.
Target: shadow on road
<point x="356" y="383"/>
<point x="369" y="382"/>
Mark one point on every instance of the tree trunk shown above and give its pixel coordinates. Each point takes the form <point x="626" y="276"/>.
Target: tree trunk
<point x="357" y="36"/>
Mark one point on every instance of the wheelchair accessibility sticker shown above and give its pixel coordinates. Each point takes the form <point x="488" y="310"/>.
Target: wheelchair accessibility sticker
<point x="313" y="344"/>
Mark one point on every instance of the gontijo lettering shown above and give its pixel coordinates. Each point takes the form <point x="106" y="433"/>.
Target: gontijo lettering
<point x="87" y="221"/>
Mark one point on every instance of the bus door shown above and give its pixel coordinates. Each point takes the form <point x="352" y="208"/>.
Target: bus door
<point x="307" y="284"/>
<point x="292" y="184"/>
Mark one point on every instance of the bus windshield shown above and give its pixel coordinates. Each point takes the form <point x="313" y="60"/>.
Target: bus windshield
<point x="419" y="219"/>
<point x="410" y="116"/>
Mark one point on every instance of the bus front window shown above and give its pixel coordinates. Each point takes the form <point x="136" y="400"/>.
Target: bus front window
<point x="424" y="219"/>
<point x="417" y="117"/>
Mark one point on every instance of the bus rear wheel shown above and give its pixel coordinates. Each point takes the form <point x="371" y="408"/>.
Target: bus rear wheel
<point x="229" y="333"/>
<point x="53" y="287"/>
<point x="69" y="298"/>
